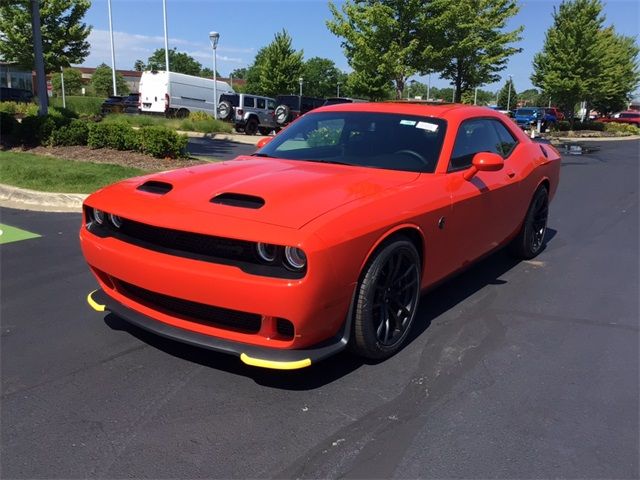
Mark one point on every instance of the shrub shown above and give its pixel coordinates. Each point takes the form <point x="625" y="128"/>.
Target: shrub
<point x="82" y="105"/>
<point x="112" y="135"/>
<point x="35" y="130"/>
<point x="8" y="107"/>
<point x="76" y="133"/>
<point x="621" y="128"/>
<point x="206" y="126"/>
<point x="199" y="116"/>
<point x="565" y="126"/>
<point x="162" y="142"/>
<point x="8" y="123"/>
<point x="21" y="108"/>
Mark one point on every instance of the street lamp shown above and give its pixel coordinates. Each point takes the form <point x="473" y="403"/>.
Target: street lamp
<point x="214" y="37"/>
<point x="509" y="96"/>
<point x="338" y="91"/>
<point x="300" y="80"/>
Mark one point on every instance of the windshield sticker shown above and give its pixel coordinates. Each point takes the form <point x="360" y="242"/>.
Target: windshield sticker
<point x="408" y="122"/>
<point x="431" y="127"/>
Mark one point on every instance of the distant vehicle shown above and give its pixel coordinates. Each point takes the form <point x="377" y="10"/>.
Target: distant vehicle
<point x="631" y="117"/>
<point x="528" y="117"/>
<point x="338" y="100"/>
<point x="249" y="113"/>
<point x="556" y="112"/>
<point x="15" y="95"/>
<point x="290" y="107"/>
<point x="177" y="94"/>
<point x="120" y="104"/>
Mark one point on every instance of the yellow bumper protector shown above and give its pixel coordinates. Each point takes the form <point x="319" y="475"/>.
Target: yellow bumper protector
<point x="258" y="362"/>
<point x="95" y="305"/>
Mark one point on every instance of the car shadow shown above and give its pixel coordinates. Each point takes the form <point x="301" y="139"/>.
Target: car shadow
<point x="220" y="149"/>
<point x="433" y="304"/>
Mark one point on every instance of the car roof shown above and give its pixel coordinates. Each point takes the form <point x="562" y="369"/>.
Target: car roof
<point x="442" y="110"/>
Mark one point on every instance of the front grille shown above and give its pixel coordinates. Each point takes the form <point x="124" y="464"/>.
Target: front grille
<point x="193" y="311"/>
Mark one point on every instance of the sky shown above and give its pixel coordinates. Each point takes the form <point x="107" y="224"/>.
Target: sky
<point x="245" y="26"/>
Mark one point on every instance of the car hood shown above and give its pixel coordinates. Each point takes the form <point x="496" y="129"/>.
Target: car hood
<point x="279" y="192"/>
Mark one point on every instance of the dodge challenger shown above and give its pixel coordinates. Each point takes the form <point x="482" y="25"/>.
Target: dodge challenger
<point x="324" y="238"/>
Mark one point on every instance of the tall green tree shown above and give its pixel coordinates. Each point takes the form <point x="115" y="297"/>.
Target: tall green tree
<point x="72" y="82"/>
<point x="64" y="35"/>
<point x="240" y="73"/>
<point x="475" y="44"/>
<point x="139" y="66"/>
<point x="619" y="75"/>
<point x="507" y="96"/>
<point x="179" y="62"/>
<point x="570" y="64"/>
<point x="321" y="77"/>
<point x="102" y="82"/>
<point x="381" y="42"/>
<point x="276" y="69"/>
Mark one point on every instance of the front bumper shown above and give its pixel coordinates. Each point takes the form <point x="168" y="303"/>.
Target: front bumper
<point x="249" y="354"/>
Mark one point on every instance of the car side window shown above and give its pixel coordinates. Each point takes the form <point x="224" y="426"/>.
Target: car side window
<point x="476" y="135"/>
<point x="271" y="104"/>
<point x="260" y="102"/>
<point x="249" y="102"/>
<point x="507" y="141"/>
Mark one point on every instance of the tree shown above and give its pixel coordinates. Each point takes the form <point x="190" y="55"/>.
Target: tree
<point x="63" y="33"/>
<point x="619" y="72"/>
<point x="380" y="42"/>
<point x="276" y="68"/>
<point x="179" y="62"/>
<point x="321" y="77"/>
<point x="475" y="45"/>
<point x="569" y="66"/>
<point x="72" y="82"/>
<point x="481" y="97"/>
<point x="207" y="73"/>
<point x="139" y="66"/>
<point x="508" y="95"/>
<point x="240" y="73"/>
<point x="530" y="97"/>
<point x="102" y="82"/>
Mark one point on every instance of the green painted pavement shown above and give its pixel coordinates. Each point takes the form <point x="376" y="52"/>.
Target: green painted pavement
<point x="12" y="234"/>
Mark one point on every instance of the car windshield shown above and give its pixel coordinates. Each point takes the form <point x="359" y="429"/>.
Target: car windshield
<point x="629" y="115"/>
<point x="525" y="111"/>
<point x="366" y="139"/>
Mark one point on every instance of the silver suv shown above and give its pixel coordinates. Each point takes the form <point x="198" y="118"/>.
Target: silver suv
<point x="249" y="113"/>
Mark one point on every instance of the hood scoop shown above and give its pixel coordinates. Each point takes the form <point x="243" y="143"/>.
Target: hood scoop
<point x="155" y="187"/>
<point x="238" y="200"/>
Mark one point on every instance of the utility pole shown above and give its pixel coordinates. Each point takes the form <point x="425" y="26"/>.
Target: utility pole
<point x="113" y="52"/>
<point x="41" y="80"/>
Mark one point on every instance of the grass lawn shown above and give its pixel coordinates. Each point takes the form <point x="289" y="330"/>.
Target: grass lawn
<point x="49" y="174"/>
<point x="206" y="126"/>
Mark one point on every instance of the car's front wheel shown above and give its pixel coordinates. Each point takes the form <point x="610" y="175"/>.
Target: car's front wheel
<point x="251" y="126"/>
<point x="387" y="300"/>
<point x="530" y="240"/>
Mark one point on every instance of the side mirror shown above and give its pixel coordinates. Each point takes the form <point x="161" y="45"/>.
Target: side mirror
<point x="263" y="141"/>
<point x="484" y="162"/>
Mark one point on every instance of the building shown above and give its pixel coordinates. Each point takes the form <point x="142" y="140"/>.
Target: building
<point x="13" y="76"/>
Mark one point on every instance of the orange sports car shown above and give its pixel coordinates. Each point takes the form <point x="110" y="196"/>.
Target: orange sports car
<point x="325" y="237"/>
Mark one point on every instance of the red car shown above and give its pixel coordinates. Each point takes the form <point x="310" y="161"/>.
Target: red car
<point x="630" y="117"/>
<point x="323" y="238"/>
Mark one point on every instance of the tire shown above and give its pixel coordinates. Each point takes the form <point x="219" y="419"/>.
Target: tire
<point x="225" y="110"/>
<point x="530" y="240"/>
<point x="251" y="126"/>
<point x="182" y="113"/>
<point x="264" y="131"/>
<point x="282" y="114"/>
<point x="390" y="283"/>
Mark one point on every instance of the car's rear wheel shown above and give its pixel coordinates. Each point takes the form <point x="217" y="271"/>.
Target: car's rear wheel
<point x="251" y="127"/>
<point x="182" y="113"/>
<point x="530" y="240"/>
<point x="387" y="300"/>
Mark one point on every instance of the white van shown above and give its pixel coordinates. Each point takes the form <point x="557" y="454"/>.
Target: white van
<point x="178" y="94"/>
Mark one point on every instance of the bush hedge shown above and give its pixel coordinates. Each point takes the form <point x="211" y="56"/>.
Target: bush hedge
<point x="82" y="105"/>
<point x="112" y="135"/>
<point x="34" y="130"/>
<point x="76" y="133"/>
<point x="162" y="142"/>
<point x="621" y="128"/>
<point x="565" y="126"/>
<point x="8" y="123"/>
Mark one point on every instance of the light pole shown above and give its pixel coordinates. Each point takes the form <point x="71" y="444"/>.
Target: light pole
<point x="41" y="80"/>
<point x="475" y="96"/>
<point x="338" y="90"/>
<point x="509" y="96"/>
<point x="300" y="80"/>
<point x="429" y="88"/>
<point x="214" y="37"/>
<point x="64" y="101"/>
<point x="113" y="54"/>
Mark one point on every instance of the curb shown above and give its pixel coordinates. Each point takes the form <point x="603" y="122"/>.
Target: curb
<point x="594" y="139"/>
<point x="14" y="197"/>
<point x="227" y="137"/>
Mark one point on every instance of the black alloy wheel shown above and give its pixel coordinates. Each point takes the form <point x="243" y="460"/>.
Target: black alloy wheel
<point x="387" y="300"/>
<point x="251" y="127"/>
<point x="530" y="240"/>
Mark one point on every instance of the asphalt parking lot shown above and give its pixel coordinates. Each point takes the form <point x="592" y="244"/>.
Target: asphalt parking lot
<point x="515" y="369"/>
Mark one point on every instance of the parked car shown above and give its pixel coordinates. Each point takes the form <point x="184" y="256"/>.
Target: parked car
<point x="323" y="238"/>
<point x="176" y="94"/>
<point x="290" y="107"/>
<point x="113" y="104"/>
<point x="131" y="103"/>
<point x="630" y="116"/>
<point x="249" y="113"/>
<point x="529" y="116"/>
<point x="555" y="112"/>
<point x="339" y="100"/>
<point x="15" y="95"/>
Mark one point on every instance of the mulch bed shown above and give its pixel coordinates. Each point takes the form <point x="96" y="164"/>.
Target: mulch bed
<point x="107" y="155"/>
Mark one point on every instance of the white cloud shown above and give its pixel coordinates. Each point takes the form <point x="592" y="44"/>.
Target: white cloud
<point x="129" y="47"/>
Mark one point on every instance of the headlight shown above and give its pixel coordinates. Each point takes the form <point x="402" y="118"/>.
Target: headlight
<point x="98" y="216"/>
<point x="116" y="220"/>
<point x="295" y="258"/>
<point x="267" y="252"/>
